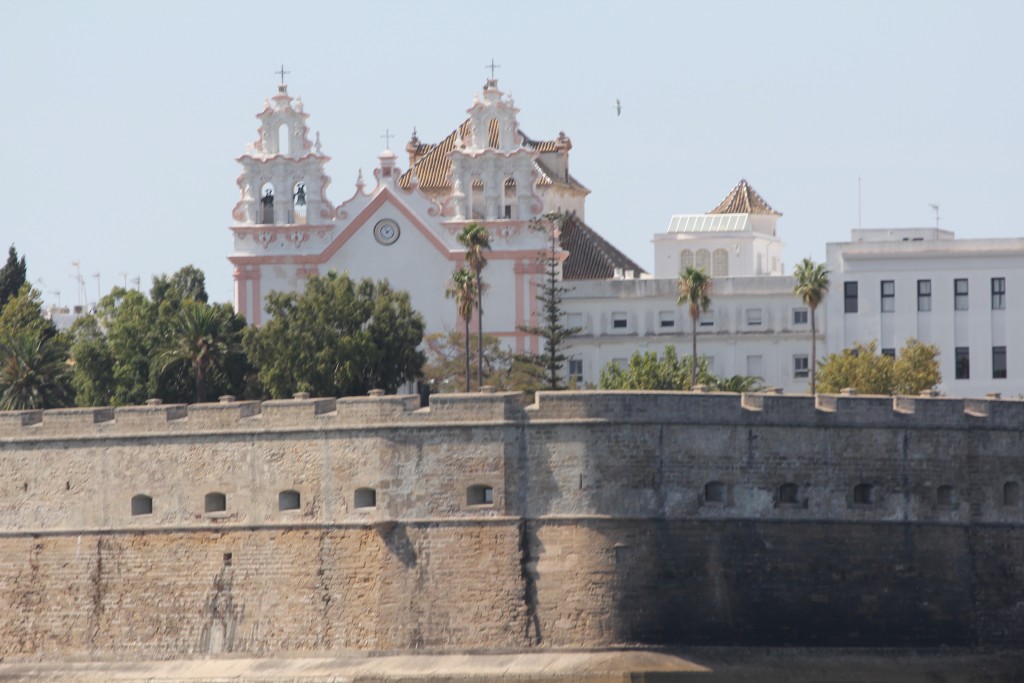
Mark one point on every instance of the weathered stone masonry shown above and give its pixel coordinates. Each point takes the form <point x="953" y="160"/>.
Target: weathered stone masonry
<point x="586" y="519"/>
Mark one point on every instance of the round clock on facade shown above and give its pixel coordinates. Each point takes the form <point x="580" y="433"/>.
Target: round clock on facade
<point x="386" y="231"/>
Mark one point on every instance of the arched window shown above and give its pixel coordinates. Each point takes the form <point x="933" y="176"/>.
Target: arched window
<point x="479" y="494"/>
<point x="788" y="494"/>
<point x="289" y="500"/>
<point x="142" y="505"/>
<point x="714" y="492"/>
<point x="946" y="496"/>
<point x="478" y="203"/>
<point x="215" y="502"/>
<point x="510" y="199"/>
<point x="366" y="498"/>
<point x="1011" y="493"/>
<point x="267" y="204"/>
<point x="704" y="260"/>
<point x="297" y="207"/>
<point x="864" y="494"/>
<point x="720" y="263"/>
<point x="283" y="139"/>
<point x="685" y="259"/>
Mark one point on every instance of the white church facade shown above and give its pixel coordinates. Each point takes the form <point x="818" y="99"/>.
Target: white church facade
<point x="402" y="225"/>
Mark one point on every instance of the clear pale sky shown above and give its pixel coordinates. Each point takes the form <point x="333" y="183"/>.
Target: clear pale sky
<point x="121" y="121"/>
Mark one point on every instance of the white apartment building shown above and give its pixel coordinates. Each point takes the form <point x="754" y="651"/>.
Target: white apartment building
<point x="963" y="295"/>
<point x="756" y="325"/>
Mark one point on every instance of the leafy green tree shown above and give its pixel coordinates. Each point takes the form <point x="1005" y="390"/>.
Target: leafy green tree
<point x="12" y="276"/>
<point x="187" y="283"/>
<point x="864" y="369"/>
<point x="339" y="337"/>
<point x="93" y="376"/>
<point x="463" y="290"/>
<point x="916" y="368"/>
<point x="811" y="286"/>
<point x="552" y="330"/>
<point x="135" y="348"/>
<point x="476" y="240"/>
<point x="647" y="372"/>
<point x="24" y="311"/>
<point x="694" y="290"/>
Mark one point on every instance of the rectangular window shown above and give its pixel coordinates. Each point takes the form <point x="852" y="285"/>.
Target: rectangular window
<point x="576" y="371"/>
<point x="888" y="296"/>
<point x="619" y="321"/>
<point x="850" y="297"/>
<point x="924" y="295"/>
<point x="960" y="302"/>
<point x="755" y="366"/>
<point x="707" y="318"/>
<point x="754" y="316"/>
<point x="799" y="316"/>
<point x="963" y="362"/>
<point x="889" y="352"/>
<point x="998" y="362"/>
<point x="801" y="367"/>
<point x="666" y="319"/>
<point x="999" y="294"/>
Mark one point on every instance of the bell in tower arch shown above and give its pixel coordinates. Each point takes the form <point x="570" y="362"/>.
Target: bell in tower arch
<point x="267" y="206"/>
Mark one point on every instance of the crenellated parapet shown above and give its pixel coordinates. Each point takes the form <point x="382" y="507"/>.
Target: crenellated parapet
<point x="671" y="408"/>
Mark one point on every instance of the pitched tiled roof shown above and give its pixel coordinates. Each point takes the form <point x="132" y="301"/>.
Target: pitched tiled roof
<point x="591" y="257"/>
<point x="743" y="199"/>
<point x="433" y="165"/>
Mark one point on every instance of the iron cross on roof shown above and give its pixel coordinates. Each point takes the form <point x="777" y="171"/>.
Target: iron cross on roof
<point x="492" y="66"/>
<point x="282" y="72"/>
<point x="387" y="137"/>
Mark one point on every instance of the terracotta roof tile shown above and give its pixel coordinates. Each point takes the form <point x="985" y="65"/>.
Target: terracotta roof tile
<point x="743" y="199"/>
<point x="591" y="257"/>
<point x="433" y="165"/>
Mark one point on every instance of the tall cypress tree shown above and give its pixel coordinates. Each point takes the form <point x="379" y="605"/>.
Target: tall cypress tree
<point x="12" y="276"/>
<point x="551" y="328"/>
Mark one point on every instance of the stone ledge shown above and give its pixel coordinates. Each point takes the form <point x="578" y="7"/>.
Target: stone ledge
<point x="706" y="665"/>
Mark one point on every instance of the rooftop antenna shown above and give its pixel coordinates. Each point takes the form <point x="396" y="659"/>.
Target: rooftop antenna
<point x="124" y="277"/>
<point x="57" y="292"/>
<point x="135" y="281"/>
<point x="97" y="276"/>
<point x="77" y="277"/>
<point x="935" y="208"/>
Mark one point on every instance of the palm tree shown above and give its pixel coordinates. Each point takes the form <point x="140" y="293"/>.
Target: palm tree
<point x="475" y="239"/>
<point x="198" y="337"/>
<point x="694" y="286"/>
<point x="811" y="286"/>
<point x="34" y="372"/>
<point x="463" y="290"/>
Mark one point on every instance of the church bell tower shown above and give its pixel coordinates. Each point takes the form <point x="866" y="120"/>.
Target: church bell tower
<point x="283" y="179"/>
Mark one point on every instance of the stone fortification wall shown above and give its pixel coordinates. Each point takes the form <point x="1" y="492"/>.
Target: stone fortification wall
<point x="586" y="519"/>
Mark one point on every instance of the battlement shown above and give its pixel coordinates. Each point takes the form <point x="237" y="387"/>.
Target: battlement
<point x="697" y="408"/>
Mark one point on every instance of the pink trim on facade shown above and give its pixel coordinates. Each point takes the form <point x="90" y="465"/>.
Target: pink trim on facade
<point x="241" y="293"/>
<point x="257" y="297"/>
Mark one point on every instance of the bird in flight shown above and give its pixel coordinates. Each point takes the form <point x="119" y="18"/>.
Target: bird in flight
<point x="618" y="108"/>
